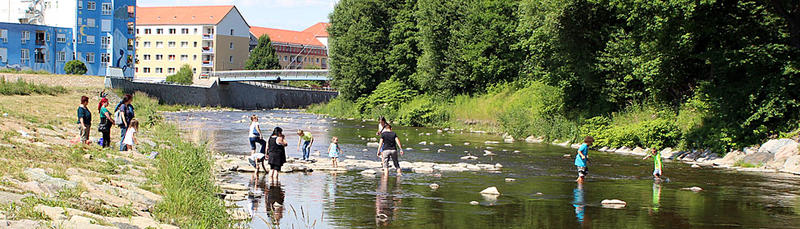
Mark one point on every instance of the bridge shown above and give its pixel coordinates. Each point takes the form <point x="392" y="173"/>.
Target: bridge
<point x="272" y="75"/>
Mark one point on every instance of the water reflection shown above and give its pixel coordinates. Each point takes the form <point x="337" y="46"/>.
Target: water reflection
<point x="273" y="198"/>
<point x="656" y="198"/>
<point x="387" y="204"/>
<point x="579" y="204"/>
<point x="274" y="201"/>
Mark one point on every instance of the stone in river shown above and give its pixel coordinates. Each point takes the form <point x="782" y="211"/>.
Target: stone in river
<point x="466" y="143"/>
<point x="508" y="140"/>
<point x="423" y="143"/>
<point x="474" y="202"/>
<point x="510" y="179"/>
<point x="448" y="145"/>
<point x="517" y="151"/>
<point x="364" y="150"/>
<point x="567" y="155"/>
<point x="498" y="165"/>
<point x="695" y="166"/>
<point x="491" y="142"/>
<point x="693" y="189"/>
<point x="350" y="157"/>
<point x="440" y="150"/>
<point x="490" y="191"/>
<point x="425" y="149"/>
<point x="373" y="144"/>
<point x="615" y="203"/>
<point x="234" y="187"/>
<point x="469" y="157"/>
<point x="488" y="153"/>
<point x="434" y="186"/>
<point x="368" y="172"/>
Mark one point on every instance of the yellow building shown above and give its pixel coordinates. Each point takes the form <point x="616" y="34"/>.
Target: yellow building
<point x="207" y="38"/>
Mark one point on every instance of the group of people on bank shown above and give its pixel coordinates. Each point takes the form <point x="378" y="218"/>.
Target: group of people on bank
<point x="123" y="117"/>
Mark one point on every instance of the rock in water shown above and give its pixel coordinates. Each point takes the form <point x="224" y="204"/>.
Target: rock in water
<point x="434" y="186"/>
<point x="693" y="189"/>
<point x="368" y="172"/>
<point x="423" y="143"/>
<point x="373" y="144"/>
<point x="470" y="157"/>
<point x="440" y="150"/>
<point x="350" y="157"/>
<point x="448" y="145"/>
<point x="567" y="155"/>
<point x="615" y="203"/>
<point x="510" y="179"/>
<point x="498" y="165"/>
<point x="695" y="166"/>
<point x="488" y="153"/>
<point x="491" y="142"/>
<point x="490" y="191"/>
<point x="474" y="202"/>
<point x="466" y="143"/>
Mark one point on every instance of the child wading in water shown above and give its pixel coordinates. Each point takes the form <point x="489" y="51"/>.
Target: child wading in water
<point x="582" y="159"/>
<point x="307" y="141"/>
<point x="334" y="150"/>
<point x="130" y="136"/>
<point x="656" y="155"/>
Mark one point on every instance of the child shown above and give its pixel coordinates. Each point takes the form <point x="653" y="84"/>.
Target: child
<point x="582" y="158"/>
<point x="307" y="141"/>
<point x="255" y="137"/>
<point x="130" y="135"/>
<point x="656" y="162"/>
<point x="333" y="151"/>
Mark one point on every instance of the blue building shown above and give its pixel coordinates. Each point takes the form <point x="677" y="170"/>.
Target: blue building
<point x="102" y="31"/>
<point x="35" y="47"/>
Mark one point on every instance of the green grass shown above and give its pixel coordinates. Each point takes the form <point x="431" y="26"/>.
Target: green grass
<point x="21" y="211"/>
<point x="28" y="71"/>
<point x="741" y="163"/>
<point x="22" y="87"/>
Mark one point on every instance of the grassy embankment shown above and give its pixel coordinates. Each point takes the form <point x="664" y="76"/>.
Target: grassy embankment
<point x="535" y="109"/>
<point x="38" y="125"/>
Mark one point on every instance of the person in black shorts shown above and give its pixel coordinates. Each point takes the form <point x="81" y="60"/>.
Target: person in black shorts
<point x="277" y="152"/>
<point x="387" y="150"/>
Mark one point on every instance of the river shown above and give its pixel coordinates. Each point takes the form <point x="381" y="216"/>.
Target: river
<point x="544" y="194"/>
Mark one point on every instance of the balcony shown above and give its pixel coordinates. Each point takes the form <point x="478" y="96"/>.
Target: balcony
<point x="208" y="63"/>
<point x="208" y="36"/>
<point x="208" y="50"/>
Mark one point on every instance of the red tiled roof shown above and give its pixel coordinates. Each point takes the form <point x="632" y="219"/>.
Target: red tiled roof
<point x="181" y="15"/>
<point x="318" y="30"/>
<point x="286" y="36"/>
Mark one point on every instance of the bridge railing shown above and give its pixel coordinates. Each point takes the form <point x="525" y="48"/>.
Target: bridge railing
<point x="264" y="75"/>
<point x="273" y="86"/>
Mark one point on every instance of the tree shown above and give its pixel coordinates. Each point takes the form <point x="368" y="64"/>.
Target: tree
<point x="75" y="67"/>
<point x="263" y="56"/>
<point x="184" y="76"/>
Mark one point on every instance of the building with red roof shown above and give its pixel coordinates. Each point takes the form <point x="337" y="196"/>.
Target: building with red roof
<point x="307" y="49"/>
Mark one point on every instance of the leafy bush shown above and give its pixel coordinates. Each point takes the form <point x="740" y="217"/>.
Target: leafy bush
<point x="184" y="76"/>
<point x="422" y="111"/>
<point x="75" y="67"/>
<point x="22" y="87"/>
<point x="389" y="95"/>
<point x="337" y="107"/>
<point x="530" y="107"/>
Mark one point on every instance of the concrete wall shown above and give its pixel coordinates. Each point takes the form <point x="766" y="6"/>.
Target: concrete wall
<point x="235" y="95"/>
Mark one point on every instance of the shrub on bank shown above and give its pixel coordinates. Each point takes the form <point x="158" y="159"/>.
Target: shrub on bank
<point x="22" y="87"/>
<point x="75" y="67"/>
<point x="184" y="76"/>
<point x="423" y="111"/>
<point x="389" y="96"/>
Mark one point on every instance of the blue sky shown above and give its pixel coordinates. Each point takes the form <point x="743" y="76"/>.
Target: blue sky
<point x="281" y="14"/>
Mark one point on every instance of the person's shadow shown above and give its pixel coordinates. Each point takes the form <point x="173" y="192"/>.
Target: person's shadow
<point x="387" y="203"/>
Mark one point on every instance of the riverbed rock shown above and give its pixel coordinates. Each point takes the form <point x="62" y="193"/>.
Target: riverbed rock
<point x="792" y="165"/>
<point x="490" y="191"/>
<point x="695" y="166"/>
<point x="693" y="189"/>
<point x="566" y="156"/>
<point x="448" y="145"/>
<point x="614" y="203"/>
<point x="783" y="153"/>
<point x="510" y="179"/>
<point x="774" y="145"/>
<point x="47" y="183"/>
<point x="369" y="172"/>
<point x="731" y="158"/>
<point x="758" y="158"/>
<point x="423" y="143"/>
<point x="532" y="139"/>
<point x="638" y="151"/>
<point x="440" y="150"/>
<point x="434" y="186"/>
<point x="474" y="202"/>
<point x="233" y="187"/>
<point x="469" y="157"/>
<point x="498" y="165"/>
<point x="508" y="140"/>
<point x="373" y="144"/>
<point x="466" y="143"/>
<point x="623" y="150"/>
<point x="488" y="153"/>
<point x="491" y="142"/>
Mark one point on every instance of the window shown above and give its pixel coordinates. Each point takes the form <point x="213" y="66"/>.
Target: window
<point x="184" y="44"/>
<point x="171" y="44"/>
<point x="148" y="31"/>
<point x="184" y="31"/>
<point x="41" y="37"/>
<point x="80" y="4"/>
<point x="25" y="36"/>
<point x="137" y="31"/>
<point x="105" y="25"/>
<point x="3" y="55"/>
<point x="106" y="8"/>
<point x="159" y="56"/>
<point x="39" y="55"/>
<point x="159" y="44"/>
<point x="131" y="42"/>
<point x="4" y="35"/>
<point x="231" y="45"/>
<point x="159" y="70"/>
<point x="130" y="28"/>
<point x="194" y="57"/>
<point x="146" y="56"/>
<point x="61" y="38"/>
<point x="172" y="31"/>
<point x="195" y="30"/>
<point x="147" y="44"/>
<point x="24" y="56"/>
<point x="159" y="31"/>
<point x="317" y="60"/>
<point x="90" y="39"/>
<point x="105" y="42"/>
<point x="90" y="5"/>
<point x="105" y="58"/>
<point x="171" y="57"/>
<point x="285" y="58"/>
<point x="146" y="70"/>
<point x="231" y="32"/>
<point x="195" y="44"/>
<point x="184" y="57"/>
<point x="90" y="22"/>
<point x="171" y="70"/>
<point x="61" y="56"/>
<point x="90" y="57"/>
<point x="230" y="59"/>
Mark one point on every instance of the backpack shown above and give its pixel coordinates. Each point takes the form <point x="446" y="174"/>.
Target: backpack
<point x="118" y="117"/>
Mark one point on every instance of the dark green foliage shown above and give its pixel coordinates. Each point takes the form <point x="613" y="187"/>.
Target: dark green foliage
<point x="422" y="111"/>
<point x="389" y="95"/>
<point x="263" y="56"/>
<point x="75" y="67"/>
<point x="184" y="76"/>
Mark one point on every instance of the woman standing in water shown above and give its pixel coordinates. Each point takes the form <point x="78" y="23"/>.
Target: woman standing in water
<point x="277" y="152"/>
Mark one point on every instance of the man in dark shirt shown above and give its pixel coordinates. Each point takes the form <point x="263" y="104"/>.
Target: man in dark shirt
<point x="387" y="150"/>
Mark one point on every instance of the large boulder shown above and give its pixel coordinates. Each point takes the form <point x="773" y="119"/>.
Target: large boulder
<point x="792" y="165"/>
<point x="758" y="158"/>
<point x="47" y="183"/>
<point x="731" y="158"/>
<point x="784" y="153"/>
<point x="774" y="145"/>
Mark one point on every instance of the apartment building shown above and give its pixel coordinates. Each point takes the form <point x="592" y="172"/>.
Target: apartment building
<point x="305" y="49"/>
<point x="35" y="47"/>
<point x="102" y="31"/>
<point x="207" y="38"/>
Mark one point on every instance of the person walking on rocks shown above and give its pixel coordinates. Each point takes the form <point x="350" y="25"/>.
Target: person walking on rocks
<point x="334" y="150"/>
<point x="307" y="140"/>
<point x="124" y="114"/>
<point x="582" y="159"/>
<point x="255" y="137"/>
<point x="84" y="120"/>
<point x="106" y="121"/>
<point x="388" y="148"/>
<point x="277" y="152"/>
<point x="656" y="163"/>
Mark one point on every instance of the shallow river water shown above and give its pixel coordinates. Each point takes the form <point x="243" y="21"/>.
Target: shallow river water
<point x="544" y="194"/>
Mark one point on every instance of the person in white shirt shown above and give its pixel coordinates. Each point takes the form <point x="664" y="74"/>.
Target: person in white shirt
<point x="255" y="137"/>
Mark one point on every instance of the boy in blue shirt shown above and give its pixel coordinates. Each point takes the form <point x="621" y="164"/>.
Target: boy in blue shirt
<point x="582" y="158"/>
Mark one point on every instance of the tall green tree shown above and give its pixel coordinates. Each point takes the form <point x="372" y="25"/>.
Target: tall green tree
<point x="184" y="76"/>
<point x="263" y="57"/>
<point x="403" y="41"/>
<point x="359" y="46"/>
